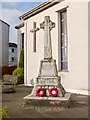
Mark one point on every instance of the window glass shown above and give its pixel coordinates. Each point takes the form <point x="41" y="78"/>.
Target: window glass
<point x="12" y="59"/>
<point x="64" y="41"/>
<point x="12" y="49"/>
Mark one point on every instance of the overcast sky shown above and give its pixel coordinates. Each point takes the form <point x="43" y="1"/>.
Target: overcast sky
<point x="10" y="11"/>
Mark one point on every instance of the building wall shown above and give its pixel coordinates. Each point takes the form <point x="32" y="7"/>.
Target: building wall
<point x="4" y="43"/>
<point x="77" y="23"/>
<point x="12" y="56"/>
<point x="88" y="44"/>
<point x="77" y="77"/>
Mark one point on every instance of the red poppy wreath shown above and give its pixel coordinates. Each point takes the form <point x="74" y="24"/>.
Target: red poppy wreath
<point x="40" y="92"/>
<point x="53" y="92"/>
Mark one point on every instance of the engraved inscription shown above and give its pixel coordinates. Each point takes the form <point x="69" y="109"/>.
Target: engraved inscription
<point x="47" y="69"/>
<point x="47" y="81"/>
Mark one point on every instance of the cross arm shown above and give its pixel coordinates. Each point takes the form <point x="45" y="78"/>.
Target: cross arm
<point x="34" y="30"/>
<point x="42" y="25"/>
<point x="52" y="25"/>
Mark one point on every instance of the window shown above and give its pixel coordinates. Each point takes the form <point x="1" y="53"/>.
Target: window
<point x="64" y="40"/>
<point x="12" y="59"/>
<point x="12" y="49"/>
<point x="22" y="40"/>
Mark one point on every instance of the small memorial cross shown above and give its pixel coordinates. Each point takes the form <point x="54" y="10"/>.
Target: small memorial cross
<point x="34" y="30"/>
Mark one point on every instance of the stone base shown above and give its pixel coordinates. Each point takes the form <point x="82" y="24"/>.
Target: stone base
<point x="8" y="89"/>
<point x="48" y="101"/>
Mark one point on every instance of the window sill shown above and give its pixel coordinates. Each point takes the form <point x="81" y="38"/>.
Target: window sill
<point x="63" y="71"/>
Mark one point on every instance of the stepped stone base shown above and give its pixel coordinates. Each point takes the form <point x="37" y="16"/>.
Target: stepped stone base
<point x="48" y="101"/>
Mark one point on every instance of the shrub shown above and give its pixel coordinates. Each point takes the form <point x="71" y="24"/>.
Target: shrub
<point x="21" y="61"/>
<point x="4" y="111"/>
<point x="20" y="73"/>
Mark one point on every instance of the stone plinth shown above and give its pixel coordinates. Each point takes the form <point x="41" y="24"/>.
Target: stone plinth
<point x="48" y="101"/>
<point x="48" y="78"/>
<point x="48" y="68"/>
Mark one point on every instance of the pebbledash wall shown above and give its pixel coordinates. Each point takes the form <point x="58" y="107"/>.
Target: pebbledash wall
<point x="76" y="78"/>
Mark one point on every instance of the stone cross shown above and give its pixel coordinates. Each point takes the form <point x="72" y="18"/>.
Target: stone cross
<point x="34" y="35"/>
<point x="47" y="26"/>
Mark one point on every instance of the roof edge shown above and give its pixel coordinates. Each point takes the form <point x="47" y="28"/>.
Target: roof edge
<point x="4" y="22"/>
<point x="39" y="8"/>
<point x="11" y="44"/>
<point x="19" y="26"/>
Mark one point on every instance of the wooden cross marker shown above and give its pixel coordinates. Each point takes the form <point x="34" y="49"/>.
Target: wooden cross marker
<point x="34" y="35"/>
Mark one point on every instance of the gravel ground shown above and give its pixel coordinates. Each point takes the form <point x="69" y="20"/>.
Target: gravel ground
<point x="78" y="107"/>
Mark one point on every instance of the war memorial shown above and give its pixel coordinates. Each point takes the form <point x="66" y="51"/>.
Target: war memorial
<point x="48" y="85"/>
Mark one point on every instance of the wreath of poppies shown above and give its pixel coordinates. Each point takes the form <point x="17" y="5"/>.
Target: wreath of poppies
<point x="40" y="92"/>
<point x="53" y="92"/>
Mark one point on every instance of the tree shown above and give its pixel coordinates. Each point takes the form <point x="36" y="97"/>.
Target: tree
<point x="21" y="61"/>
<point x="20" y="70"/>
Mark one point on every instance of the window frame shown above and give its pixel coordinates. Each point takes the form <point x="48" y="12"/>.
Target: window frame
<point x="60" y="46"/>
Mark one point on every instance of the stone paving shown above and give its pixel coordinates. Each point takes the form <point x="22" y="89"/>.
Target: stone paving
<point x="78" y="107"/>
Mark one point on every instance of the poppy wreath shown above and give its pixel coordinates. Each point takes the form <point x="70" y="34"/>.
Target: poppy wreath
<point x="53" y="92"/>
<point x="40" y="92"/>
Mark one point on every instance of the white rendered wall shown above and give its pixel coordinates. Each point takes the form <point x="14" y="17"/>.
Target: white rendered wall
<point x="77" y="77"/>
<point x="77" y="20"/>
